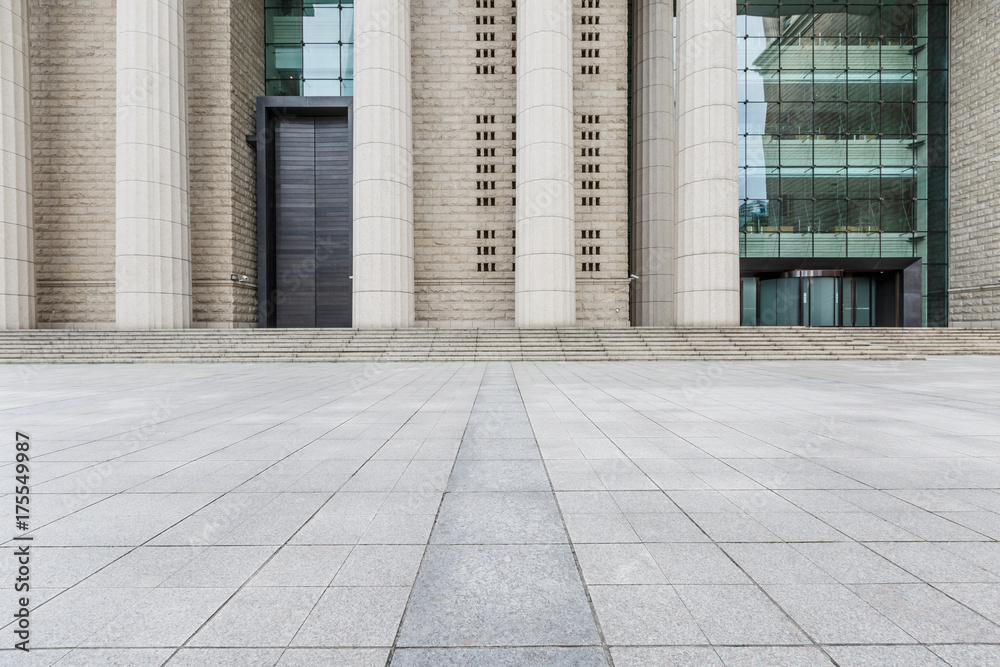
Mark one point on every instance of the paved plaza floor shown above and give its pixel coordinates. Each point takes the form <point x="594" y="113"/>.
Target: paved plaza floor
<point x="629" y="514"/>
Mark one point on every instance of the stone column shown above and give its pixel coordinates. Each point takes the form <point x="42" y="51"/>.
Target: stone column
<point x="383" y="166"/>
<point x="708" y="265"/>
<point x="17" y="252"/>
<point x="152" y="234"/>
<point x="545" y="279"/>
<point x="653" y="153"/>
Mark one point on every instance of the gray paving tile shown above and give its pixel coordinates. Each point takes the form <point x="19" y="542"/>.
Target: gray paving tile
<point x="341" y="657"/>
<point x="885" y="656"/>
<point x="833" y="614"/>
<point x="498" y="596"/>
<point x="668" y="527"/>
<point x="499" y="518"/>
<point x="933" y="564"/>
<point x="851" y="563"/>
<point x="738" y="615"/>
<point x="397" y="529"/>
<point x="296" y="565"/>
<point x="969" y="656"/>
<point x="354" y="617"/>
<point x="225" y="657"/>
<point x="220" y="567"/>
<point x="644" y="616"/>
<point x="618" y="564"/>
<point x="785" y="656"/>
<point x="776" y="564"/>
<point x="696" y="564"/>
<point x="733" y="527"/>
<point x="500" y="657"/>
<point x="380" y="565"/>
<point x="163" y="617"/>
<point x="498" y="449"/>
<point x="927" y="614"/>
<point x="981" y="598"/>
<point x="665" y="657"/>
<point x="70" y="618"/>
<point x="471" y="476"/>
<point x="241" y="623"/>
<point x="110" y="657"/>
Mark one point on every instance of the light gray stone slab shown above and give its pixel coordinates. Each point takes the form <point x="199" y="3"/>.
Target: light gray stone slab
<point x="767" y="656"/>
<point x="885" y="656"/>
<point x="259" y="617"/>
<point x="739" y="615"/>
<point x="499" y="518"/>
<point x="498" y="596"/>
<point x="927" y="614"/>
<point x="500" y="657"/>
<point x="470" y="476"/>
<point x="226" y="657"/>
<point x="644" y="616"/>
<point x="665" y="657"/>
<point x="380" y="565"/>
<point x="354" y="617"/>
<point x="833" y="614"/>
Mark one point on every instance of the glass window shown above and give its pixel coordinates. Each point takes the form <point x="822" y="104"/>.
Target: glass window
<point x="843" y="123"/>
<point x="310" y="47"/>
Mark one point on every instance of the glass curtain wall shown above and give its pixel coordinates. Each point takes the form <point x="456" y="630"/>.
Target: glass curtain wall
<point x="310" y="47"/>
<point x="843" y="133"/>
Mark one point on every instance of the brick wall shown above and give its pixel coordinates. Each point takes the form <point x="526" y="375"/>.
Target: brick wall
<point x="463" y="157"/>
<point x="975" y="163"/>
<point x="73" y="132"/>
<point x="225" y="48"/>
<point x="73" y="96"/>
<point x="600" y="101"/>
<point x="463" y="144"/>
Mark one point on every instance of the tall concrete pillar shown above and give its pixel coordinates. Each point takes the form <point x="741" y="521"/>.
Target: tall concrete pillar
<point x="383" y="166"/>
<point x="17" y="252"/>
<point x="708" y="266"/>
<point x="545" y="277"/>
<point x="653" y="153"/>
<point x="152" y="235"/>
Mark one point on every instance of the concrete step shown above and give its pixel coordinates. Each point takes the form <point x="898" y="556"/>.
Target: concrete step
<point x="572" y="344"/>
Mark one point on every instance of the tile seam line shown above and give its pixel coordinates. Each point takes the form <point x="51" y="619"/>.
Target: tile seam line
<point x="129" y="489"/>
<point x="437" y="515"/>
<point x="242" y="586"/>
<point x="712" y="540"/>
<point x="444" y="383"/>
<point x="569" y="540"/>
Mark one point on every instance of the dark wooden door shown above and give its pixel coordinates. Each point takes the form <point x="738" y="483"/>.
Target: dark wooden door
<point x="313" y="254"/>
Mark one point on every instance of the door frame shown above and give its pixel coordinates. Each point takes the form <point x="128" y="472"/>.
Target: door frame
<point x="269" y="109"/>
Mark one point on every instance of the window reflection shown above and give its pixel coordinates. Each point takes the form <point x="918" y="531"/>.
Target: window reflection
<point x="843" y="124"/>
<point x="310" y="47"/>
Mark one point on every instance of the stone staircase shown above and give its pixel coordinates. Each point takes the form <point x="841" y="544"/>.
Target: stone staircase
<point x="409" y="345"/>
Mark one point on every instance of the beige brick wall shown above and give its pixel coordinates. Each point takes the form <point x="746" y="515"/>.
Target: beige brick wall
<point x="449" y="97"/>
<point x="975" y="163"/>
<point x="601" y="104"/>
<point x="225" y="47"/>
<point x="74" y="79"/>
<point x="73" y="108"/>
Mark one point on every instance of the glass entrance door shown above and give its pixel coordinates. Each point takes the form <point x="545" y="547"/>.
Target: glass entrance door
<point x="859" y="299"/>
<point x="821" y="302"/>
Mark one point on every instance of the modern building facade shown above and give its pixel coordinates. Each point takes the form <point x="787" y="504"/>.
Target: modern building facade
<point x="499" y="163"/>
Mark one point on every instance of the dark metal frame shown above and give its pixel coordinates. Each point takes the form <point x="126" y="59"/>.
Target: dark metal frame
<point x="268" y="110"/>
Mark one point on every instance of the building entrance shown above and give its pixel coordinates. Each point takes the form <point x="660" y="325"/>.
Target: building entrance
<point x="304" y="193"/>
<point x="821" y="299"/>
